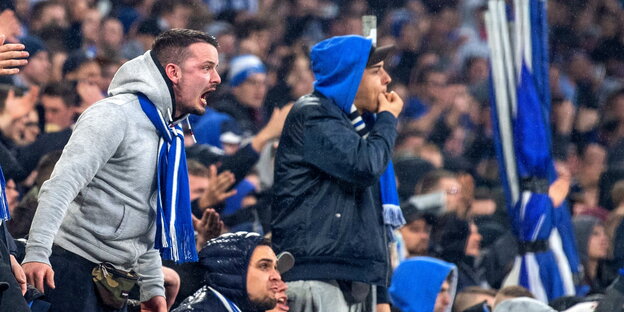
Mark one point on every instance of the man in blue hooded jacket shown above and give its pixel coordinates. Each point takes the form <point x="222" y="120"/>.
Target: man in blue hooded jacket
<point x="424" y="284"/>
<point x="332" y="177"/>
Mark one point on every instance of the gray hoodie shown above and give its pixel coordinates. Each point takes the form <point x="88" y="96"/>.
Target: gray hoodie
<point x="100" y="200"/>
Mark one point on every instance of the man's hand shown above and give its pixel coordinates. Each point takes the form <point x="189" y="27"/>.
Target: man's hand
<point x="37" y="273"/>
<point x="273" y="128"/>
<point x="217" y="188"/>
<point x="11" y="55"/>
<point x="155" y="304"/>
<point x="18" y="272"/>
<point x="390" y="102"/>
<point x="208" y="227"/>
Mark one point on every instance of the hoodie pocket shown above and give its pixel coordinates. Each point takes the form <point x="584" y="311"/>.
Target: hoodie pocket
<point x="112" y="224"/>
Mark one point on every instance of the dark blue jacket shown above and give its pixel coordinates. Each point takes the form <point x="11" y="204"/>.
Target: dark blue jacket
<point x="327" y="210"/>
<point x="225" y="260"/>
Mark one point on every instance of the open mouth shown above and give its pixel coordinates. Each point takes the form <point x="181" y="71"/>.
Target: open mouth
<point x="282" y="305"/>
<point x="204" y="98"/>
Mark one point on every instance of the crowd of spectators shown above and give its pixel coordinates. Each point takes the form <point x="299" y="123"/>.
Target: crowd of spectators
<point x="444" y="155"/>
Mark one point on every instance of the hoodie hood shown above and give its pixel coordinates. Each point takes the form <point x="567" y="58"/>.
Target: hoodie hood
<point x="144" y="74"/>
<point x="338" y="64"/>
<point x="416" y="283"/>
<point x="226" y="259"/>
<point x="523" y="304"/>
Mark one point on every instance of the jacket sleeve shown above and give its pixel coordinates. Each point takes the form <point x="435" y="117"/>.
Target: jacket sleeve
<point x="151" y="277"/>
<point x="95" y="139"/>
<point x="335" y="148"/>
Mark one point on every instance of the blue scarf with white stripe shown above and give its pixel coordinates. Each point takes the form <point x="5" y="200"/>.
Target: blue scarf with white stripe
<point x="175" y="235"/>
<point x="4" y="204"/>
<point x="392" y="214"/>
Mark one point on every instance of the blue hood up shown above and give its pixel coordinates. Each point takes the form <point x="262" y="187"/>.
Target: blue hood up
<point x="416" y="283"/>
<point x="338" y="64"/>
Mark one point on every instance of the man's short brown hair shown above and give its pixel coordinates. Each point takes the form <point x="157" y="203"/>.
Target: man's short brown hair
<point x="171" y="45"/>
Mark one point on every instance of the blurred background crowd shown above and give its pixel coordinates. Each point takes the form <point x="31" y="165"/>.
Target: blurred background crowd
<point x="444" y="156"/>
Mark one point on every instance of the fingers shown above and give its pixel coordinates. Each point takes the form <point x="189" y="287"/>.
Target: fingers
<point x="383" y="99"/>
<point x="212" y="217"/>
<point x="50" y="278"/>
<point x="12" y="51"/>
<point x="227" y="195"/>
<point x="13" y="63"/>
<point x="38" y="280"/>
<point x="212" y="172"/>
<point x="2" y="38"/>
<point x="224" y="181"/>
<point x="195" y="221"/>
<point x="19" y="274"/>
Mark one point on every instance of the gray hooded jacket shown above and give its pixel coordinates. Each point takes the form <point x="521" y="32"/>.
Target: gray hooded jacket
<point x="100" y="200"/>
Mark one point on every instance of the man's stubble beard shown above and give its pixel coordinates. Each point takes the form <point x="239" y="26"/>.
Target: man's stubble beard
<point x="264" y="304"/>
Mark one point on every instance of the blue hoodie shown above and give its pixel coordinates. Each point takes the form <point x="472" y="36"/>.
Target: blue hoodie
<point x="416" y="283"/>
<point x="338" y="64"/>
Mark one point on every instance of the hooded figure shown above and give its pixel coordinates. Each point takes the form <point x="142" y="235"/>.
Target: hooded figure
<point x="417" y="283"/>
<point x="226" y="260"/>
<point x="329" y="208"/>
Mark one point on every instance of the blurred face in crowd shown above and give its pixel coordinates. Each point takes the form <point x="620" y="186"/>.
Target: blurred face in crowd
<point x="57" y="112"/>
<point x="374" y="82"/>
<point x="416" y="237"/>
<point x="300" y="77"/>
<point x="179" y="16"/>
<point x="263" y="279"/>
<point x="194" y="78"/>
<point x="252" y="91"/>
<point x="39" y="69"/>
<point x="444" y="298"/>
<point x="598" y="243"/>
<point x="108" y="72"/>
<point x="473" y="244"/>
<point x="91" y="26"/>
<point x="112" y="34"/>
<point x="89" y="71"/>
<point x="198" y="186"/>
<point x="52" y="14"/>
<point x="435" y="85"/>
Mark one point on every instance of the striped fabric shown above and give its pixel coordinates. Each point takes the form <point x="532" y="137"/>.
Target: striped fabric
<point x="4" y="205"/>
<point x="175" y="236"/>
<point x="393" y="217"/>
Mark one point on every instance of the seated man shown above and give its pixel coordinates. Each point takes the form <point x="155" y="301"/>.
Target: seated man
<point x="242" y="273"/>
<point x="423" y="284"/>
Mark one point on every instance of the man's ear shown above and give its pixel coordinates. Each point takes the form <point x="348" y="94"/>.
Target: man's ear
<point x="173" y="72"/>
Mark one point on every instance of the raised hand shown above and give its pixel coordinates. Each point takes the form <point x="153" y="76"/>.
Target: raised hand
<point x="218" y="186"/>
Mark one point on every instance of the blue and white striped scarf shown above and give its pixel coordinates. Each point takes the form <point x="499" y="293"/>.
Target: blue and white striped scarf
<point x="392" y="214"/>
<point x="4" y="204"/>
<point x="175" y="236"/>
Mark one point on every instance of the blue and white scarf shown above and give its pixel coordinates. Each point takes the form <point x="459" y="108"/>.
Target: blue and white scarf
<point x="175" y="236"/>
<point x="392" y="214"/>
<point x="4" y="204"/>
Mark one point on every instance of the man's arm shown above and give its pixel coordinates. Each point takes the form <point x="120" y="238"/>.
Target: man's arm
<point x="95" y="139"/>
<point x="151" y="281"/>
<point x="336" y="149"/>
